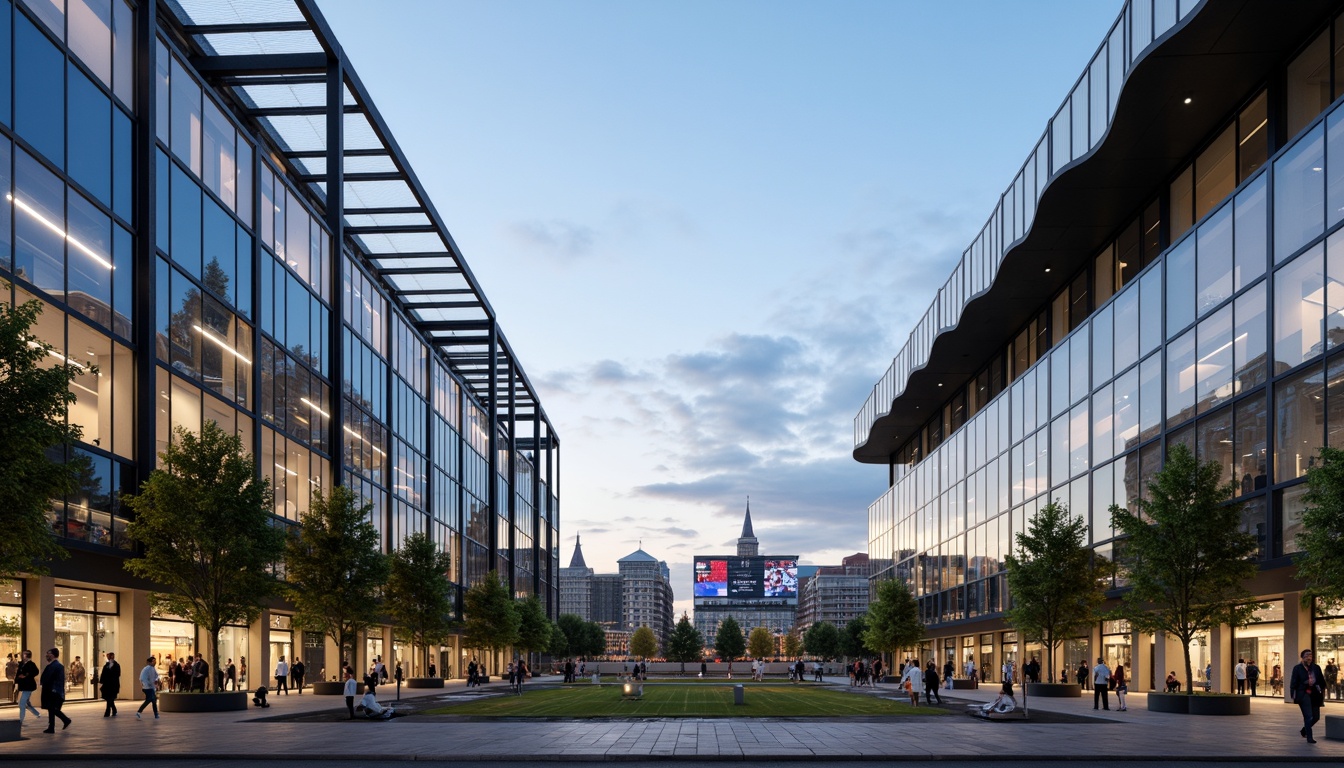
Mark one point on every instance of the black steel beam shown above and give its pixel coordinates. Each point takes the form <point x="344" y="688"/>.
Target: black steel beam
<point x="246" y="27"/>
<point x="146" y="262"/>
<point x="443" y="305"/>
<point x="335" y="71"/>
<point x="413" y="255"/>
<point x="349" y="109"/>
<point x="419" y="270"/>
<point x="391" y="229"/>
<point x="321" y="153"/>
<point x="434" y="292"/>
<point x="392" y="209"/>
<point x="360" y="176"/>
<point x="261" y="64"/>
<point x="238" y="80"/>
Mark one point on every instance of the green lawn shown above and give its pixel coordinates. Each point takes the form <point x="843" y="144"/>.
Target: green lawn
<point x="673" y="700"/>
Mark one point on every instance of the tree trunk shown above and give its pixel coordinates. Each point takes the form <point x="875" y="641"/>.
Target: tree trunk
<point x="1189" y="678"/>
<point x="209" y="684"/>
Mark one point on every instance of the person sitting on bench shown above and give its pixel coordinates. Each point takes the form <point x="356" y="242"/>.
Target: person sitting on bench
<point x="1173" y="685"/>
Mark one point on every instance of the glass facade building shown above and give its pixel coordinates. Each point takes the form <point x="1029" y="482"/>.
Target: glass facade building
<point x="220" y="226"/>
<point x="1166" y="268"/>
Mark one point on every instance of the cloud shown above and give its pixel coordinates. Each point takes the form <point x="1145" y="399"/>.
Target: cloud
<point x="555" y="237"/>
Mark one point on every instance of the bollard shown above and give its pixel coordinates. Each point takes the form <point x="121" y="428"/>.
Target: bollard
<point x="739" y="695"/>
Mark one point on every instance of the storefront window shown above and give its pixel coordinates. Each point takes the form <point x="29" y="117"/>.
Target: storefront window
<point x="171" y="639"/>
<point x="1115" y="644"/>
<point x="1261" y="642"/>
<point x="1328" y="644"/>
<point x="11" y="618"/>
<point x="86" y="630"/>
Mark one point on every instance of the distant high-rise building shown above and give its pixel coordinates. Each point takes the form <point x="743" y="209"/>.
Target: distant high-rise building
<point x="608" y="605"/>
<point x="835" y="593"/>
<point x="648" y="593"/>
<point x="576" y="585"/>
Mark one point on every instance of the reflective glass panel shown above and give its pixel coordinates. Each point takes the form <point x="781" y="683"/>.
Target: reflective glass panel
<point x="1299" y="194"/>
<point x="1299" y="423"/>
<point x="1299" y="309"/>
<point x="39" y="223"/>
<point x="1252" y="233"/>
<point x="39" y="90"/>
<point x="1215" y="261"/>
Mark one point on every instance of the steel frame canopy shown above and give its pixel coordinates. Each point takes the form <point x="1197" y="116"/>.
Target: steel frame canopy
<point x="281" y="62"/>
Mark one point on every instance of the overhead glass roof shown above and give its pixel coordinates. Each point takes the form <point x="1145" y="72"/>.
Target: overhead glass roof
<point x="275" y="56"/>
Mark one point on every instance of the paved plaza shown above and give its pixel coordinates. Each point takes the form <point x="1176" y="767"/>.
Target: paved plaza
<point x="297" y="727"/>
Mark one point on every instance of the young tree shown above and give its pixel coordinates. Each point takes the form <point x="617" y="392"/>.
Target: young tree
<point x="558" y="645"/>
<point x="1187" y="558"/>
<point x="643" y="643"/>
<point x="594" y="640"/>
<point x="336" y="570"/>
<point x="793" y="644"/>
<point x="893" y="619"/>
<point x="686" y="644"/>
<point x="1052" y="579"/>
<point x="822" y="640"/>
<point x="204" y="522"/>
<point x="534" y="629"/>
<point x="419" y="595"/>
<point x="34" y="397"/>
<point x="1320" y="559"/>
<point x="760" y="643"/>
<point x="853" y="643"/>
<point x="729" y="642"/>
<point x="575" y="633"/>
<point x="491" y="616"/>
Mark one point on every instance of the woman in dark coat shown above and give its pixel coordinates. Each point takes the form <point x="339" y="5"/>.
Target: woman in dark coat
<point x="1307" y="689"/>
<point x="109" y="681"/>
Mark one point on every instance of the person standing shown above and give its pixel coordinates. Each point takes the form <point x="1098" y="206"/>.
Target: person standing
<point x="1121" y="686"/>
<point x="242" y="672"/>
<point x="351" y="688"/>
<point x="1101" y="683"/>
<point x="296" y="673"/>
<point x="25" y="681"/>
<point x="1306" y="687"/>
<point x="53" y="691"/>
<point x="1332" y="679"/>
<point x="949" y="669"/>
<point x="110" y="684"/>
<point x="1083" y="675"/>
<point x="231" y="675"/>
<point x="1239" y="672"/>
<point x="281" y="677"/>
<point x="471" y="672"/>
<point x="1253" y="677"/>
<point x="149" y="685"/>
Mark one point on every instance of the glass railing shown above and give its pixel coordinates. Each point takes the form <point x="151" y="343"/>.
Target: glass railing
<point x="1075" y="130"/>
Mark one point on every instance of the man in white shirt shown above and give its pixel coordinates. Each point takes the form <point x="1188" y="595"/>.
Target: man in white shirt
<point x="1006" y="673"/>
<point x="281" y="677"/>
<point x="149" y="684"/>
<point x="1101" y="684"/>
<point x="1240" y="673"/>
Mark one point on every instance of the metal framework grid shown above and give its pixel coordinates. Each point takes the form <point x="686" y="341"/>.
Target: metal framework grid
<point x="280" y="60"/>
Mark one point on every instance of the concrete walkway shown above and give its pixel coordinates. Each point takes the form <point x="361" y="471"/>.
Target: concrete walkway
<point x="1270" y="733"/>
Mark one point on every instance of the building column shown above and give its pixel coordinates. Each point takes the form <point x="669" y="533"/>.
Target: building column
<point x="39" y="618"/>
<point x="134" y="626"/>
<point x="259" y="643"/>
<point x="1296" y="635"/>
<point x="1220" y="658"/>
<point x="1140" y="673"/>
<point x="1167" y="657"/>
<point x="334" y="657"/>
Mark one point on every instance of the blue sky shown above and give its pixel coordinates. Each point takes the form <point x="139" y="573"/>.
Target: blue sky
<point x="707" y="227"/>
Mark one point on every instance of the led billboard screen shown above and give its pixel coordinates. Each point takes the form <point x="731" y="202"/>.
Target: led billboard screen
<point x="746" y="578"/>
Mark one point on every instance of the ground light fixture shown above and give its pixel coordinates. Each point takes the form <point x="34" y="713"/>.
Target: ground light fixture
<point x="632" y="691"/>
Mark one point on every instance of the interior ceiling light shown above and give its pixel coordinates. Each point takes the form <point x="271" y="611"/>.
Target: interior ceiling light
<point x="31" y="211"/>
<point x="221" y="343"/>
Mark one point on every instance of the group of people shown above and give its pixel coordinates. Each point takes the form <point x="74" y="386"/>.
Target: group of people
<point x="573" y="670"/>
<point x="914" y="680"/>
<point x="862" y="672"/>
<point x="1247" y="675"/>
<point x="189" y="673"/>
<point x="289" y="676"/>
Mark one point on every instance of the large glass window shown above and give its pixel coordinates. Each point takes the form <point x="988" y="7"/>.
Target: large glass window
<point x="1213" y="368"/>
<point x="39" y="90"/>
<point x="1181" y="375"/>
<point x="1299" y="423"/>
<point x="1249" y="340"/>
<point x="1180" y="286"/>
<point x="1216" y="172"/>
<point x="1299" y="194"/>
<point x="1299" y="309"/>
<point x="1308" y="84"/>
<point x="186" y="117"/>
<point x="1252" y="233"/>
<point x="39" y="222"/>
<point x="1215" y="261"/>
<point x="1252" y="136"/>
<point x="90" y="146"/>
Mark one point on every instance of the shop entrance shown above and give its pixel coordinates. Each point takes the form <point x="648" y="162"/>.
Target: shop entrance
<point x="86" y="629"/>
<point x="1262" y="642"/>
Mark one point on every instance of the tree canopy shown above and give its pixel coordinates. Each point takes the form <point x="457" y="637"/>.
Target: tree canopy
<point x="760" y="644"/>
<point x="419" y="594"/>
<point x="822" y="640"/>
<point x="893" y="622"/>
<point x="336" y="570"/>
<point x="203" y="520"/>
<point x="534" y="629"/>
<point x="1187" y="558"/>
<point x="34" y="397"/>
<point x="729" y="643"/>
<point x="853" y="638"/>
<point x="1055" y="585"/>
<point x="793" y="644"/>
<point x="685" y="644"/>
<point x="643" y="643"/>
<point x="1320" y="559"/>
<point x="491" y="619"/>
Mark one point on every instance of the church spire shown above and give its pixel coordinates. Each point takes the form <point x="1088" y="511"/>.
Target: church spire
<point x="577" y="560"/>
<point x="747" y="545"/>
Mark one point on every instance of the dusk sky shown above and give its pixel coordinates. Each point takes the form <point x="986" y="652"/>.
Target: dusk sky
<point x="707" y="227"/>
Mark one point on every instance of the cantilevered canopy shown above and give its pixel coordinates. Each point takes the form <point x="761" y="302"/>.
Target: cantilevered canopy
<point x="282" y="63"/>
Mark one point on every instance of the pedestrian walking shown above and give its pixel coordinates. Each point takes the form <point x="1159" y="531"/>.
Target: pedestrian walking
<point x="109" y="683"/>
<point x="931" y="684"/>
<point x="25" y="680"/>
<point x="281" y="677"/>
<point x="949" y="669"/>
<point x="912" y="680"/>
<point x="1253" y="677"/>
<point x="53" y="691"/>
<point x="1239" y="672"/>
<point x="1121" y="686"/>
<point x="149" y="685"/>
<point x="1101" y="683"/>
<point x="1306" y="687"/>
<point x="296" y="673"/>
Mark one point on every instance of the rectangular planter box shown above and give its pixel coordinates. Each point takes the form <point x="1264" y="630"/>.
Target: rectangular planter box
<point x="9" y="730"/>
<point x="1334" y="727"/>
<point x="963" y="684"/>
